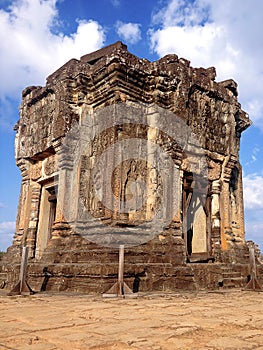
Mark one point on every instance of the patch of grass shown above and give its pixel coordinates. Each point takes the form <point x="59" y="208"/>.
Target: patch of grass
<point x="1" y="255"/>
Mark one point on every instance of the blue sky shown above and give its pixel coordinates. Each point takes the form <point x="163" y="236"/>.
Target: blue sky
<point x="38" y="36"/>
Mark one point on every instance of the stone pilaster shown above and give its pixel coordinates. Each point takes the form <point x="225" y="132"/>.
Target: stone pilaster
<point x="241" y="206"/>
<point x="215" y="216"/>
<point x="22" y="222"/>
<point x="237" y="206"/>
<point x="61" y="226"/>
<point x="34" y="217"/>
<point x="225" y="209"/>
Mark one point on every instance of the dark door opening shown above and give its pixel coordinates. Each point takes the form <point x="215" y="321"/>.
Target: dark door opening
<point x="52" y="199"/>
<point x="196" y="219"/>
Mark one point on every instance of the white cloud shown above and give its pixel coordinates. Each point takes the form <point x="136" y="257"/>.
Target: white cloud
<point x="129" y="32"/>
<point x="254" y="156"/>
<point x="31" y="49"/>
<point x="8" y="116"/>
<point x="224" y="34"/>
<point x="7" y="230"/>
<point x="197" y="43"/>
<point x="116" y="3"/>
<point x="253" y="191"/>
<point x="181" y="13"/>
<point x="254" y="232"/>
<point x="253" y="202"/>
<point x="7" y="226"/>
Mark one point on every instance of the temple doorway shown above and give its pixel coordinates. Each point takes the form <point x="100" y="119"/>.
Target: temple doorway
<point x="196" y="220"/>
<point x="47" y="215"/>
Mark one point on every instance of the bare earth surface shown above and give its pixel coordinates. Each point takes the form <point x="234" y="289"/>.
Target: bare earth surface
<point x="201" y="320"/>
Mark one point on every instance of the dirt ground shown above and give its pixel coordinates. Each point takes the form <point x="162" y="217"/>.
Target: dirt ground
<point x="200" y="320"/>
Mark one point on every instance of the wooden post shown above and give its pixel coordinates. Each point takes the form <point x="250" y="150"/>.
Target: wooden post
<point x="22" y="276"/>
<point x="120" y="288"/>
<point x="252" y="261"/>
<point x="22" y="287"/>
<point x="253" y="284"/>
<point x="121" y="270"/>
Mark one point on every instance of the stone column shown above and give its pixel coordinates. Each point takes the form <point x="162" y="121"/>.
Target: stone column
<point x="225" y="209"/>
<point x="237" y="207"/>
<point x="22" y="221"/>
<point x="34" y="216"/>
<point x="152" y="136"/>
<point x="225" y="214"/>
<point x="177" y="223"/>
<point x="215" y="216"/>
<point x="65" y="166"/>
<point x="241" y="205"/>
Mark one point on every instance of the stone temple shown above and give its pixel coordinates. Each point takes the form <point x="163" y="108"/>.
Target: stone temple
<point x="120" y="150"/>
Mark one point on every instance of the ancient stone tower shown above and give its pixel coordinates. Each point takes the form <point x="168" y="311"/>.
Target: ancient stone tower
<point x="119" y="150"/>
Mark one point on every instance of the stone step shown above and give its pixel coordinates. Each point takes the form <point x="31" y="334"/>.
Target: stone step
<point x="99" y="278"/>
<point x="228" y="268"/>
<point x="233" y="274"/>
<point x="234" y="282"/>
<point x="137" y="255"/>
<point x="3" y="279"/>
<point x="99" y="269"/>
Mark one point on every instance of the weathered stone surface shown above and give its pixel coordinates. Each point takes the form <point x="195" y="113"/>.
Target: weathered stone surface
<point x="70" y="115"/>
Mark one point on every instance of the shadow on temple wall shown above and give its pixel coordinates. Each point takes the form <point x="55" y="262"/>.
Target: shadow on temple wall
<point x="47" y="276"/>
